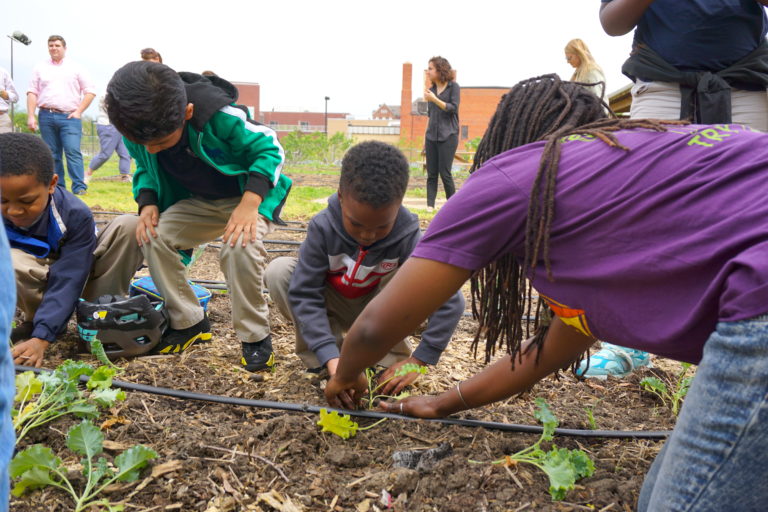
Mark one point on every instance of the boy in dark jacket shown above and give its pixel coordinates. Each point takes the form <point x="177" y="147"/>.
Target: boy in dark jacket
<point x="203" y="170"/>
<point x="352" y="249"/>
<point x="55" y="247"/>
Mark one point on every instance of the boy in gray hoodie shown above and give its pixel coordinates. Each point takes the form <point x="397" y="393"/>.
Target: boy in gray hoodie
<point x="352" y="249"/>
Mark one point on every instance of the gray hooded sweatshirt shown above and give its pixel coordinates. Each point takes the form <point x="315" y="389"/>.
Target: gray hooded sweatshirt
<point x="330" y="257"/>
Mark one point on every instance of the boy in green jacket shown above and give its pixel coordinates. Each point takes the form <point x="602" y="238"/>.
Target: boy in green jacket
<point x="203" y="170"/>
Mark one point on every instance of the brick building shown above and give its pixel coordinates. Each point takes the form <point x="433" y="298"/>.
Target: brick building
<point x="386" y="112"/>
<point x="249" y="95"/>
<point x="286" y="122"/>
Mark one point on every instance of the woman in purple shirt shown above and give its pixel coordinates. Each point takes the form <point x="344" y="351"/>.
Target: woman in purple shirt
<point x="653" y="236"/>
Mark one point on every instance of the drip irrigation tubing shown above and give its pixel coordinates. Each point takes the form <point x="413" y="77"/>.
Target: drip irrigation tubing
<point x="313" y="409"/>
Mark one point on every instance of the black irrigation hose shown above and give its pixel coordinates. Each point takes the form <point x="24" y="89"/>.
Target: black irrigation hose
<point x="313" y="409"/>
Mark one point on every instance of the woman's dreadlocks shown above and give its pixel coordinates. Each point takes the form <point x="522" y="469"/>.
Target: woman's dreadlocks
<point x="541" y="108"/>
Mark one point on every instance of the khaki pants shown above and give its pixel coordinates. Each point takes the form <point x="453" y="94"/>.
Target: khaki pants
<point x="115" y="261"/>
<point x="342" y="311"/>
<point x="195" y="221"/>
<point x="6" y="126"/>
<point x="661" y="100"/>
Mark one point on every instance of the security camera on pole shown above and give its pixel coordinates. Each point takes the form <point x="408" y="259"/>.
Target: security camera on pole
<point x="8" y="91"/>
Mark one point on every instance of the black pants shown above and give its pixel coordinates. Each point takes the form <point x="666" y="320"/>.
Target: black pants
<point x="439" y="162"/>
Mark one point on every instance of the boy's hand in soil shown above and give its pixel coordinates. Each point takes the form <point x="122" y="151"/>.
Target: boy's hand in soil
<point x="244" y="219"/>
<point x="148" y="219"/>
<point x="345" y="394"/>
<point x="396" y="385"/>
<point x="30" y="352"/>
<point x="418" y="406"/>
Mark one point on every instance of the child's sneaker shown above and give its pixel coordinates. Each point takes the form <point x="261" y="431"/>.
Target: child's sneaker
<point x="613" y="360"/>
<point x="258" y="355"/>
<point x="179" y="340"/>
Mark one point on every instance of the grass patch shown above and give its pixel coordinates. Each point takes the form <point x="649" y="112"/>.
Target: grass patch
<point x="302" y="203"/>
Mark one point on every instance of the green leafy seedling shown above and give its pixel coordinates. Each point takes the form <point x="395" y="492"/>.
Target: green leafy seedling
<point x="97" y="350"/>
<point x="341" y="424"/>
<point x="43" y="398"/>
<point x="591" y="418"/>
<point x="370" y="374"/>
<point x="672" y="393"/>
<point x="37" y="467"/>
<point x="562" y="466"/>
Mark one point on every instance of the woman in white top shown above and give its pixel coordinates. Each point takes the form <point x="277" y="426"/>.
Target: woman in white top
<point x="587" y="71"/>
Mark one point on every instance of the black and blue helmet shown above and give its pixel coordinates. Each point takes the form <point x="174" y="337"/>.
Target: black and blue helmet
<point x="126" y="326"/>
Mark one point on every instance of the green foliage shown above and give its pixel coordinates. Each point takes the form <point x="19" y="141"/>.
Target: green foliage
<point x="341" y="424"/>
<point x="673" y="392"/>
<point x="97" y="350"/>
<point x="591" y="418"/>
<point x="37" y="467"/>
<point x="315" y="147"/>
<point x="562" y="466"/>
<point x="43" y="398"/>
<point x="402" y="371"/>
<point x="20" y="122"/>
<point x="471" y="144"/>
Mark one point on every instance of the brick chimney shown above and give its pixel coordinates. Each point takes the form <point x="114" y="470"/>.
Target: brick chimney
<point x="406" y="121"/>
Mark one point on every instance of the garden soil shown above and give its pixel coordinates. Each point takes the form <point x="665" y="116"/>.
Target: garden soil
<point x="222" y="458"/>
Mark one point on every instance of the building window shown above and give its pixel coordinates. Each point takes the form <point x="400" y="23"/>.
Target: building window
<point x="304" y="125"/>
<point x="272" y="123"/>
<point x="464" y="132"/>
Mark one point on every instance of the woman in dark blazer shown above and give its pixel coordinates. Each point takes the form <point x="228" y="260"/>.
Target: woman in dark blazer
<point x="443" y="129"/>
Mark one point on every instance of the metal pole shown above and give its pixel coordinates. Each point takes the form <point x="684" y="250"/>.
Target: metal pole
<point x="13" y="118"/>
<point x="326" y="115"/>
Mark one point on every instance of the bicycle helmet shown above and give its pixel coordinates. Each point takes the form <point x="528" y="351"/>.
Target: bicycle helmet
<point x="126" y="326"/>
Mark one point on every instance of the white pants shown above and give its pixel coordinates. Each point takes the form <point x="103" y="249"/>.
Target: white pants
<point x="661" y="100"/>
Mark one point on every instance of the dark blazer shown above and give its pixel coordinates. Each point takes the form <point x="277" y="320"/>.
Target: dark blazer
<point x="444" y="123"/>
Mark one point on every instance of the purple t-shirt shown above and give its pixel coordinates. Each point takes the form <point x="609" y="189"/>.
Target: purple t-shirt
<point x="650" y="248"/>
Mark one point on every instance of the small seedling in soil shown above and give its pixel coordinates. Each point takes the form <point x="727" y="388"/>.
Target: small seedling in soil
<point x="563" y="466"/>
<point x="342" y="424"/>
<point x="38" y="467"/>
<point x="97" y="350"/>
<point x="671" y="395"/>
<point x="43" y="398"/>
<point x="370" y="374"/>
<point x="591" y="418"/>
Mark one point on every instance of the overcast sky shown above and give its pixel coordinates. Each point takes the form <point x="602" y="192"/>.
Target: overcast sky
<point x="302" y="51"/>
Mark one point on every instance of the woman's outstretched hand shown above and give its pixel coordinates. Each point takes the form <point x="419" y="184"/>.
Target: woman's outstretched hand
<point x="418" y="406"/>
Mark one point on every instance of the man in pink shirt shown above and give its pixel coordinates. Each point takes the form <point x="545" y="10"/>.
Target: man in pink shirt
<point x="62" y="91"/>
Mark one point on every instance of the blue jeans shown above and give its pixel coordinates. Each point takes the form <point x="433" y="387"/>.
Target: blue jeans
<point x="62" y="134"/>
<point x="110" y="142"/>
<point x="717" y="456"/>
<point x="7" y="385"/>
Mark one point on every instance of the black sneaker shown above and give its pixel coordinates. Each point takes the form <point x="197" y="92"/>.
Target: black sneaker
<point x="258" y="355"/>
<point x="179" y="340"/>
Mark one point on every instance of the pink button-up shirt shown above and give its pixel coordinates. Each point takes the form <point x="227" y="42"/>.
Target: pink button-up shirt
<point x="60" y="85"/>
